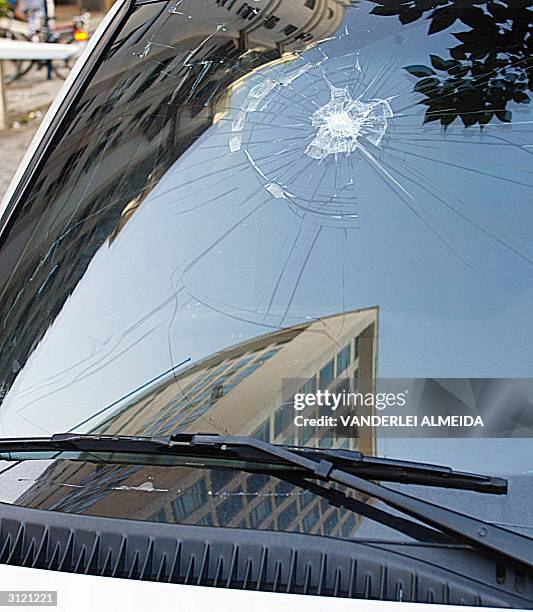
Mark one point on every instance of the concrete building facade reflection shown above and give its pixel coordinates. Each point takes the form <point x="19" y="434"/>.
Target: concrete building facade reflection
<point x="237" y="391"/>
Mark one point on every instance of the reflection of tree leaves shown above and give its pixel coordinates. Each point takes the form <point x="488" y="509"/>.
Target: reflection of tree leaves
<point x="441" y="64"/>
<point x="385" y="10"/>
<point x="504" y="116"/>
<point x="419" y="71"/>
<point x="442" y="19"/>
<point x="410" y="16"/>
<point x="475" y="18"/>
<point x="498" y="11"/>
<point x="426" y="86"/>
<point x="521" y="97"/>
<point x="491" y="66"/>
<point x="458" y="52"/>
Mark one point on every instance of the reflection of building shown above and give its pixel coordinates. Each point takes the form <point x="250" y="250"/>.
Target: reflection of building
<point x="282" y="21"/>
<point x="237" y="391"/>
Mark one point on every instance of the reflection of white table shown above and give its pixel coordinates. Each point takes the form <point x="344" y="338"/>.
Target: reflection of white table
<point x="15" y="26"/>
<point x="21" y="50"/>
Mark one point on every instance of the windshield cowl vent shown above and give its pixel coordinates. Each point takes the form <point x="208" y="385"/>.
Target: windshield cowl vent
<point x="243" y="559"/>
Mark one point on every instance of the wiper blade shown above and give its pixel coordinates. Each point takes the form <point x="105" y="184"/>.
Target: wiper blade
<point x="85" y="443"/>
<point x="408" y="472"/>
<point x="354" y="462"/>
<point x="476" y="532"/>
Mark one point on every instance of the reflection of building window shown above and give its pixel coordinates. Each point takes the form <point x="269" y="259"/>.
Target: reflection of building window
<point x="229" y="508"/>
<point x="260" y="512"/>
<point x="246" y="372"/>
<point x="249" y="370"/>
<point x="190" y="501"/>
<point x="229" y="386"/>
<point x="214" y="373"/>
<point x="288" y="515"/>
<point x="348" y="526"/>
<point x="342" y="384"/>
<point x="206" y="520"/>
<point x="216" y="393"/>
<point x="158" y="517"/>
<point x="305" y="434"/>
<point x="356" y="380"/>
<point x="240" y="363"/>
<point x="306" y="499"/>
<point x="256" y="482"/>
<point x="246" y="11"/>
<point x="283" y="490"/>
<point x="267" y="355"/>
<point x="220" y="478"/>
<point x="305" y="36"/>
<point x="282" y="418"/>
<point x="326" y="375"/>
<point x="330" y="523"/>
<point x="290" y="29"/>
<point x="310" y="4"/>
<point x="200" y="380"/>
<point x="356" y="345"/>
<point x="271" y="22"/>
<point x="311" y="519"/>
<point x="263" y="432"/>
<point x="343" y="359"/>
<point x="309" y="387"/>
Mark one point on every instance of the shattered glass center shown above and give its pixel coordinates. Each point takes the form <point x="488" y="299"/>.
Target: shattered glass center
<point x="343" y="121"/>
<point x="339" y="122"/>
<point x="343" y="124"/>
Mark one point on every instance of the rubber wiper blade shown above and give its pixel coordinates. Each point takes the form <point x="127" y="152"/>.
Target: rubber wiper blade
<point x="408" y="472"/>
<point x="86" y="443"/>
<point x="354" y="462"/>
<point x="476" y="532"/>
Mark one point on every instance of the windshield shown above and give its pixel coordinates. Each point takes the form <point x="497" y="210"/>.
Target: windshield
<point x="249" y="204"/>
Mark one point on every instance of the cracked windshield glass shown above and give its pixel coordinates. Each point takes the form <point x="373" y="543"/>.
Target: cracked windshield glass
<point x="305" y="221"/>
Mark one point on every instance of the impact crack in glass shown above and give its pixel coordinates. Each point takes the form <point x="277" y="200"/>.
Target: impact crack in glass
<point x="343" y="120"/>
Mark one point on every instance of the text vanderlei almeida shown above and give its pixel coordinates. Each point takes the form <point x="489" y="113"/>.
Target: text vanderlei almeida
<point x="380" y="401"/>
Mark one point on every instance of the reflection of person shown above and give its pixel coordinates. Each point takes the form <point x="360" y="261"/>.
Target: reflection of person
<point x="12" y="6"/>
<point x="35" y="13"/>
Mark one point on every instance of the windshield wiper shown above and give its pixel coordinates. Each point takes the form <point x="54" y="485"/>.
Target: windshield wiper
<point x="323" y="465"/>
<point x="353" y="462"/>
<point x="476" y="532"/>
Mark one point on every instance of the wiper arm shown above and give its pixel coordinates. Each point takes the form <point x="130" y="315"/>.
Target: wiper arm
<point x="478" y="533"/>
<point x="353" y="462"/>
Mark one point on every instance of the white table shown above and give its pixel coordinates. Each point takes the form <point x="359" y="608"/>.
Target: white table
<point x="22" y="50"/>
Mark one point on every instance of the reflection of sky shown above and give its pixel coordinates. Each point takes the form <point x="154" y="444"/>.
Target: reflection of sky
<point x="464" y="454"/>
<point x="489" y="456"/>
<point x="212" y="258"/>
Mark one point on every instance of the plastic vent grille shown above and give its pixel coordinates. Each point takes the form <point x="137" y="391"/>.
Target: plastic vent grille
<point x="237" y="559"/>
